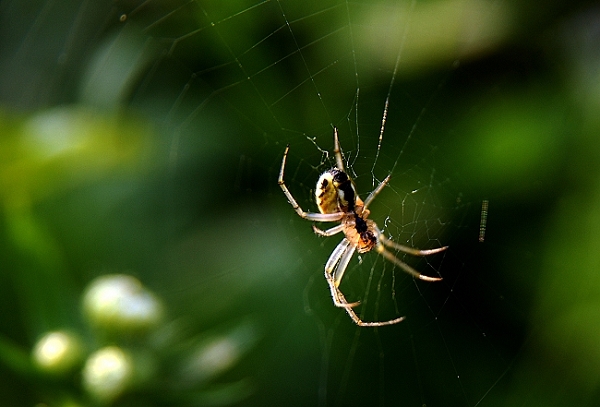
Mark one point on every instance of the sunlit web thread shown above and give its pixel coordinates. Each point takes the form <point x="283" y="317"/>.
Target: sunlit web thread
<point x="247" y="76"/>
<point x="303" y="60"/>
<point x="235" y="59"/>
<point x="357" y="84"/>
<point x="483" y="220"/>
<point x="311" y="78"/>
<point x="298" y="50"/>
<point x="386" y="105"/>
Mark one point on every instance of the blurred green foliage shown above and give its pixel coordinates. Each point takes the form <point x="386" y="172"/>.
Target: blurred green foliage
<point x="144" y="139"/>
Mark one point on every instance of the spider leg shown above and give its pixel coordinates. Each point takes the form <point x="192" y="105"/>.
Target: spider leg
<point x="406" y="249"/>
<point x="337" y="151"/>
<point x="390" y="256"/>
<point x="341" y="257"/>
<point x="336" y="255"/>
<point x="376" y="191"/>
<point x="329" y="232"/>
<point x="343" y="265"/>
<point x="360" y="322"/>
<point x="316" y="217"/>
<point x="335" y="259"/>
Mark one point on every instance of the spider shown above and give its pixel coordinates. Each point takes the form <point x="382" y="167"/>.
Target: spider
<point x="338" y="201"/>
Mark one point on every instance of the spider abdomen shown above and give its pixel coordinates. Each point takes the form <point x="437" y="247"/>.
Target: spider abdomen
<point x="335" y="192"/>
<point x="326" y="194"/>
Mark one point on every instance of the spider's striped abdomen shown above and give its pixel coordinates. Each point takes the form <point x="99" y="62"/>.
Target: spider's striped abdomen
<point x="335" y="192"/>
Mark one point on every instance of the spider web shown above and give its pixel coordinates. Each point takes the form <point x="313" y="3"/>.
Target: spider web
<point x="298" y="72"/>
<point x="230" y="85"/>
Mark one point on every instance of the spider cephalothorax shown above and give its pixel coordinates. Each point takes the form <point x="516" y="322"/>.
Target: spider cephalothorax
<point x="360" y="232"/>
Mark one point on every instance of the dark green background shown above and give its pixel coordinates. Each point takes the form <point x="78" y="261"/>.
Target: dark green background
<point x="172" y="177"/>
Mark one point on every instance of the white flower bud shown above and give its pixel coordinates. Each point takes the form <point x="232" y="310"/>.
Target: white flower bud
<point x="107" y="373"/>
<point x="57" y="352"/>
<point x="120" y="303"/>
